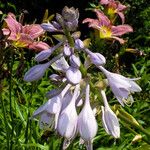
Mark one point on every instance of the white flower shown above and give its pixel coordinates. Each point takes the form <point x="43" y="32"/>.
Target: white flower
<point x="121" y="86"/>
<point x="67" y="121"/>
<point x="36" y="72"/>
<point x="87" y="125"/>
<point x="109" y="119"/>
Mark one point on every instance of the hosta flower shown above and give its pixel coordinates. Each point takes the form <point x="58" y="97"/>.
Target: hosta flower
<point x="60" y="65"/>
<point x="73" y="75"/>
<point x="23" y="36"/>
<point x="121" y="86"/>
<point x="52" y="27"/>
<point x="114" y="7"/>
<point x="75" y="61"/>
<point x="96" y="58"/>
<point x="109" y="119"/>
<point x="70" y="16"/>
<point x="79" y="44"/>
<point x="36" y="72"/>
<point x="49" y="111"/>
<point x="87" y="125"/>
<point x="67" y="50"/>
<point x="67" y="121"/>
<point x="45" y="54"/>
<point x="106" y="29"/>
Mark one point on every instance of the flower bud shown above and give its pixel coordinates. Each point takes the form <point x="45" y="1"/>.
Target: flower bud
<point x="67" y="50"/>
<point x="96" y="58"/>
<point x="60" y="65"/>
<point x="36" y="72"/>
<point x="75" y="61"/>
<point x="67" y="121"/>
<point x="43" y="55"/>
<point x="109" y="118"/>
<point x="70" y="14"/>
<point x="73" y="75"/>
<point x="60" y="19"/>
<point x="79" y="44"/>
<point x="87" y="125"/>
<point x="48" y="27"/>
<point x="110" y="122"/>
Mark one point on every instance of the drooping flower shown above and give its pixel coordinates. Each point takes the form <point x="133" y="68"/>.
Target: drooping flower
<point x="67" y="121"/>
<point x="114" y="7"/>
<point x="87" y="125"/>
<point x="121" y="86"/>
<point x="109" y="118"/>
<point x="106" y="29"/>
<point x="49" y="111"/>
<point x="23" y="36"/>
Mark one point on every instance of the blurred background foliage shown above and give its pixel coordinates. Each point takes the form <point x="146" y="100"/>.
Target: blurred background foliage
<point x="20" y="99"/>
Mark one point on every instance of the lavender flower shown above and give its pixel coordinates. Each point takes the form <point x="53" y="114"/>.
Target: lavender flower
<point x="109" y="119"/>
<point x="121" y="86"/>
<point x="68" y="118"/>
<point x="87" y="125"/>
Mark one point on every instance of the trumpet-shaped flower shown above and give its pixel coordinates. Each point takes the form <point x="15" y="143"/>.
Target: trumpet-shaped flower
<point x="121" y="86"/>
<point x="23" y="36"/>
<point x="106" y="29"/>
<point x="109" y="119"/>
<point x="114" y="7"/>
<point x="51" y="109"/>
<point x="67" y="121"/>
<point x="87" y="125"/>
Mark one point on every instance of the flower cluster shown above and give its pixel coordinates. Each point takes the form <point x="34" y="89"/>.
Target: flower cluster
<point x="68" y="109"/>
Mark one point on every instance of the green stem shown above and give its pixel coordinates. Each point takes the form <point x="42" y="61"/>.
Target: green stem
<point x="5" y="121"/>
<point x="69" y="38"/>
<point x="28" y="116"/>
<point x="134" y="125"/>
<point x="10" y="96"/>
<point x="134" y="132"/>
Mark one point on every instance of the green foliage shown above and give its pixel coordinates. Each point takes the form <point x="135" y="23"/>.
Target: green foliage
<point x="19" y="99"/>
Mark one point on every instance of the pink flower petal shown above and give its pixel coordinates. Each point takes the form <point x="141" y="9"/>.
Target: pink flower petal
<point x="121" y="29"/>
<point x="103" y="20"/>
<point x="39" y="46"/>
<point x="33" y="30"/>
<point x="13" y="25"/>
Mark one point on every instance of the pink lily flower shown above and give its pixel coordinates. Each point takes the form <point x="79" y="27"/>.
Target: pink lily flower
<point x="114" y="7"/>
<point x="23" y="36"/>
<point x="106" y="29"/>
